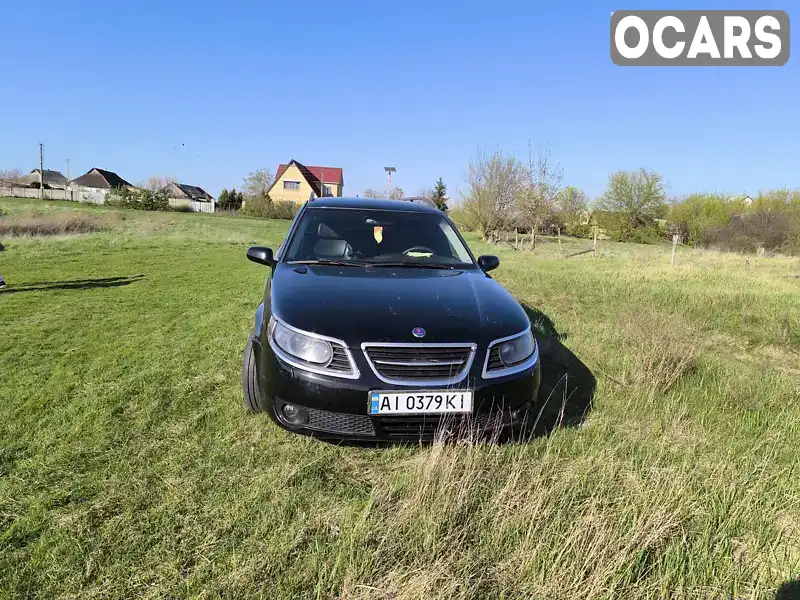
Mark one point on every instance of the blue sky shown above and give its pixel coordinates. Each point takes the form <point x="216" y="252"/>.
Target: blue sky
<point x="208" y="91"/>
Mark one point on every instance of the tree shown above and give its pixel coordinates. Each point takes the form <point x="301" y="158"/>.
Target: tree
<point x="222" y="199"/>
<point x="636" y="197"/>
<point x="396" y="193"/>
<point x="257" y="183"/>
<point x="157" y="183"/>
<point x="494" y="182"/>
<point x="372" y="193"/>
<point x="11" y="174"/>
<point x="537" y="202"/>
<point x="233" y="201"/>
<point x="439" y="195"/>
<point x="571" y="206"/>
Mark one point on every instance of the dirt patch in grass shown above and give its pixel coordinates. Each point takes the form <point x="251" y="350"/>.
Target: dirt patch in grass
<point x="58" y="224"/>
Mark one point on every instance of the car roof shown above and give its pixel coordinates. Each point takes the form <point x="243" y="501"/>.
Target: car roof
<point x="408" y="205"/>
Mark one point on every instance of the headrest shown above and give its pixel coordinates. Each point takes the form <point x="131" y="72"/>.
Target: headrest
<point x="326" y="233"/>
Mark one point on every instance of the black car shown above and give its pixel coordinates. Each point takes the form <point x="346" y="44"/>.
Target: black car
<point x="378" y="323"/>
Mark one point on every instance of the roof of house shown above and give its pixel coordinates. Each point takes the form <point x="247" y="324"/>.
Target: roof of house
<point x="311" y="176"/>
<point x="373" y="204"/>
<point x="49" y="177"/>
<point x="191" y="192"/>
<point x="100" y="178"/>
<point x="324" y="174"/>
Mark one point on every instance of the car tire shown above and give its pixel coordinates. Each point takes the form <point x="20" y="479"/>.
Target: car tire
<point x="252" y="395"/>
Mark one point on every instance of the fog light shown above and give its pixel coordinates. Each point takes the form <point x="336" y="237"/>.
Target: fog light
<point x="294" y="415"/>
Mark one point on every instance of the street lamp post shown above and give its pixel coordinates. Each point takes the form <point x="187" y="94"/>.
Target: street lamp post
<point x="389" y="171"/>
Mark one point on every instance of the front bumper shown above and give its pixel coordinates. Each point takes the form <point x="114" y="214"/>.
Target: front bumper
<point x="338" y="408"/>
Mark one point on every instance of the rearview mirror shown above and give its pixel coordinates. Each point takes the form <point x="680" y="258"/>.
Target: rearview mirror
<point x="261" y="255"/>
<point x="488" y="263"/>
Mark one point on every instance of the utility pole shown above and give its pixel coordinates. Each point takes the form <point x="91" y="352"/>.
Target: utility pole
<point x="68" y="171"/>
<point x="389" y="171"/>
<point x="41" y="171"/>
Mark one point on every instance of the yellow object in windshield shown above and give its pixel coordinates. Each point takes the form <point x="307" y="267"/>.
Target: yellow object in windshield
<point x="377" y="231"/>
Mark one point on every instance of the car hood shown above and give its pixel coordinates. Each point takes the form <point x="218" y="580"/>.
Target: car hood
<point x="384" y="304"/>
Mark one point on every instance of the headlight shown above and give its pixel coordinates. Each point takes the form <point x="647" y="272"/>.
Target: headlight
<point x="518" y="349"/>
<point x="304" y="347"/>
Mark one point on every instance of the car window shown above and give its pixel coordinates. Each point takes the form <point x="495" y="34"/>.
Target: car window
<point x="377" y="236"/>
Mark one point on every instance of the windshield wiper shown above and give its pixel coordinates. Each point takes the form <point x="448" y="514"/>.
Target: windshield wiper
<point x="412" y="264"/>
<point x="328" y="262"/>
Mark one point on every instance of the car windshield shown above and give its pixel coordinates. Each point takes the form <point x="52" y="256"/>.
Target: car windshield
<point x="377" y="237"/>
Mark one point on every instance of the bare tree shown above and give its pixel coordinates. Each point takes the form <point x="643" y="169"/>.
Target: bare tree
<point x="425" y="193"/>
<point x="396" y="193"/>
<point x="156" y="183"/>
<point x="537" y="202"/>
<point x="11" y="174"/>
<point x="372" y="193"/>
<point x="494" y="182"/>
<point x="257" y="183"/>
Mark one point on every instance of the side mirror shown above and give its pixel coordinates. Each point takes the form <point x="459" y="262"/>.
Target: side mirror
<point x="488" y="263"/>
<point x="261" y="255"/>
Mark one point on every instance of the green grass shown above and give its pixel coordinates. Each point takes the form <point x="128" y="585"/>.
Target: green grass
<point x="128" y="467"/>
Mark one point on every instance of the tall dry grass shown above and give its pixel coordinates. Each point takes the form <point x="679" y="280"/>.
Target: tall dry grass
<point x="56" y="224"/>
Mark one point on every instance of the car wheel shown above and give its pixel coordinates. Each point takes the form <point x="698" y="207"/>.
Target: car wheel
<point x="252" y="395"/>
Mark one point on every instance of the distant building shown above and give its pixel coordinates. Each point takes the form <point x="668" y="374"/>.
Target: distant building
<point x="100" y="179"/>
<point x="191" y="196"/>
<point x="298" y="183"/>
<point x="51" y="179"/>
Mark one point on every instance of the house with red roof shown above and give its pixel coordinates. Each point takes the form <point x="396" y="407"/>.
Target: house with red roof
<point x="299" y="183"/>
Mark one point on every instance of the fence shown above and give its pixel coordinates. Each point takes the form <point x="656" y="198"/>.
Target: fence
<point x="93" y="196"/>
<point x="193" y="205"/>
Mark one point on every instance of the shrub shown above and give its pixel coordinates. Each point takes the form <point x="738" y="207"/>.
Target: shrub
<point x="699" y="213"/>
<point x="774" y="230"/>
<point x="138" y="199"/>
<point x="462" y="218"/>
<point x="579" y="230"/>
<point x="263" y="207"/>
<point x="284" y="210"/>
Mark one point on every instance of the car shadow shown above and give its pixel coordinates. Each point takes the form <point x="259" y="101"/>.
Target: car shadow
<point x="789" y="591"/>
<point x="566" y="391"/>
<point x="75" y="284"/>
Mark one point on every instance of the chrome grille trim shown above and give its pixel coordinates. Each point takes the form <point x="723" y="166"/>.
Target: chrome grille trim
<point x="423" y="363"/>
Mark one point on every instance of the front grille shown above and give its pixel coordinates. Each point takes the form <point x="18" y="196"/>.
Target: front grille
<point x="323" y="420"/>
<point x="494" y="361"/>
<point x="430" y="426"/>
<point x="339" y="362"/>
<point x="432" y="364"/>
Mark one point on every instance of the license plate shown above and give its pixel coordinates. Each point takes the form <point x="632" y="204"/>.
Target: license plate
<point x="419" y="402"/>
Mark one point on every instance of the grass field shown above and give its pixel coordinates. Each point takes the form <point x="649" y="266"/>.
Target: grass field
<point x="128" y="467"/>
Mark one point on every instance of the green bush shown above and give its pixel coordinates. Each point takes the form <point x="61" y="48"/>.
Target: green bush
<point x="284" y="210"/>
<point x="579" y="230"/>
<point x="264" y="208"/>
<point x="138" y="199"/>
